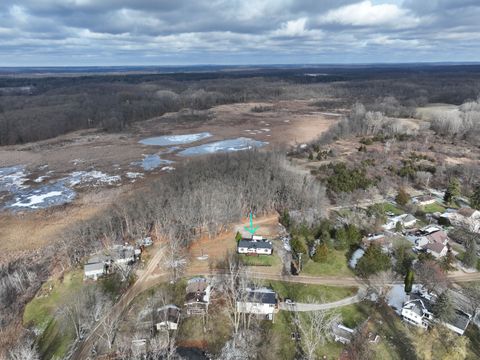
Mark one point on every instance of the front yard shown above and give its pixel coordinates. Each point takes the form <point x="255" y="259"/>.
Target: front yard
<point x="335" y="265"/>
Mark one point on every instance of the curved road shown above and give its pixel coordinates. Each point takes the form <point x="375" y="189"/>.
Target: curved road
<point x="302" y="307"/>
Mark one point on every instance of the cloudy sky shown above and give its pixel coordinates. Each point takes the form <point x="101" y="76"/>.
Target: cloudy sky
<point x="160" y="32"/>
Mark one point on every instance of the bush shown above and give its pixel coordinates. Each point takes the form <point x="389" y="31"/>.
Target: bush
<point x="298" y="246"/>
<point x="321" y="253"/>
<point x="409" y="281"/>
<point x="347" y="180"/>
<point x="402" y="197"/>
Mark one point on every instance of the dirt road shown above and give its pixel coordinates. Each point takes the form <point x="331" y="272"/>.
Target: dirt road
<point x="83" y="350"/>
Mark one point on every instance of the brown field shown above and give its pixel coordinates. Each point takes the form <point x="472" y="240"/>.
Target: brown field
<point x="290" y="122"/>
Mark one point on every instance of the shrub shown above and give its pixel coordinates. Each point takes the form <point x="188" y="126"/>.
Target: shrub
<point x="402" y="197"/>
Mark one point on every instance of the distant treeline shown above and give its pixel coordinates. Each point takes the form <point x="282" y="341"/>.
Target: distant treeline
<point x="38" y="108"/>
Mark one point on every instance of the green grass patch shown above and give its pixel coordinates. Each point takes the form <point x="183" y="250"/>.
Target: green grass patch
<point x="433" y="208"/>
<point x="303" y="292"/>
<point x="260" y="260"/>
<point x="388" y="207"/>
<point x="39" y="313"/>
<point x="336" y="264"/>
<point x="356" y="314"/>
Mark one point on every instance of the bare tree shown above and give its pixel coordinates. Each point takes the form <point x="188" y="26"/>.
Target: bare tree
<point x="109" y="327"/>
<point x="381" y="282"/>
<point x="430" y="274"/>
<point x="24" y="350"/>
<point x="315" y="328"/>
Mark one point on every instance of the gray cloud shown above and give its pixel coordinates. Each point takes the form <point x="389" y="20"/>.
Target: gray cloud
<point x="113" y="32"/>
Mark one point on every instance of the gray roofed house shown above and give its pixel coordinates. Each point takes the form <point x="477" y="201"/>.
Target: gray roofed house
<point x="459" y="322"/>
<point x="93" y="270"/>
<point x="253" y="246"/>
<point x="261" y="301"/>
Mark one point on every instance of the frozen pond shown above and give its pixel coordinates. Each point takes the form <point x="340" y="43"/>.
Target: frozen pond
<point x="229" y="145"/>
<point x="151" y="162"/>
<point x="168" y="140"/>
<point x="41" y="197"/>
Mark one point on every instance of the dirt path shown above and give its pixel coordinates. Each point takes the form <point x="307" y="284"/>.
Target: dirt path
<point x="303" y="307"/>
<point x="83" y="350"/>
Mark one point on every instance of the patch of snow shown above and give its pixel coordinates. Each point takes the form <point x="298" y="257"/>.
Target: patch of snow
<point x="330" y="114"/>
<point x="42" y="197"/>
<point x="167" y="168"/>
<point x="134" y="175"/>
<point x="265" y="130"/>
<point x="12" y="178"/>
<point x="93" y="177"/>
<point x="167" y="140"/>
<point x="41" y="178"/>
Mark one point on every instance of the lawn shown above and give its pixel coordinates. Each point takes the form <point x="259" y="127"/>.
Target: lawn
<point x="39" y="313"/>
<point x="388" y="207"/>
<point x="335" y="265"/>
<point x="304" y="292"/>
<point x="432" y="208"/>
<point x="260" y="260"/>
<point x="354" y="315"/>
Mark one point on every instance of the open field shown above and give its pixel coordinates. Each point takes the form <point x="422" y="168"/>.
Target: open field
<point x="288" y="122"/>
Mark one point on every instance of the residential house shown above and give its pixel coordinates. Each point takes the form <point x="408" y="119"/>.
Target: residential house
<point x="431" y="239"/>
<point x="465" y="217"/>
<point x="261" y="301"/>
<point x="377" y="239"/>
<point x="418" y="312"/>
<point x="436" y="249"/>
<point x="459" y="322"/>
<point x="197" y="296"/>
<point x="122" y="254"/>
<point x="406" y="220"/>
<point x="167" y="317"/>
<point x="342" y="333"/>
<point x="94" y="268"/>
<point x="255" y="246"/>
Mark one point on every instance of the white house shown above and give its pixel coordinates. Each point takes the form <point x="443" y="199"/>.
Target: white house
<point x="417" y="313"/>
<point x="256" y="245"/>
<point x="95" y="267"/>
<point x="406" y="220"/>
<point x="262" y="301"/>
<point x="423" y="200"/>
<point x="94" y="270"/>
<point x="342" y="333"/>
<point x="167" y="317"/>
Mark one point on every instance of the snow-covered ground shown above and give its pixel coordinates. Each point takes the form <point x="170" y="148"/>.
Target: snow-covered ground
<point x="94" y="177"/>
<point x="41" y="197"/>
<point x="12" y="178"/>
<point x="167" y="140"/>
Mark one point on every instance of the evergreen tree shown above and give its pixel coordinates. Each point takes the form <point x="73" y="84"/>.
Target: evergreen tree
<point x="373" y="261"/>
<point x="470" y="257"/>
<point x="409" y="281"/>
<point x="238" y="236"/>
<point x="443" y="308"/>
<point x="453" y="190"/>
<point x="475" y="198"/>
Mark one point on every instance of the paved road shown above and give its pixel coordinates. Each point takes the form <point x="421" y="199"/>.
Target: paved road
<point x="302" y="307"/>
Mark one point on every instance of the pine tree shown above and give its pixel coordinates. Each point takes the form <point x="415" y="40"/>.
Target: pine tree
<point x="453" y="190"/>
<point x="409" y="281"/>
<point x="321" y="253"/>
<point x="443" y="307"/>
<point x="238" y="236"/>
<point x="475" y="198"/>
